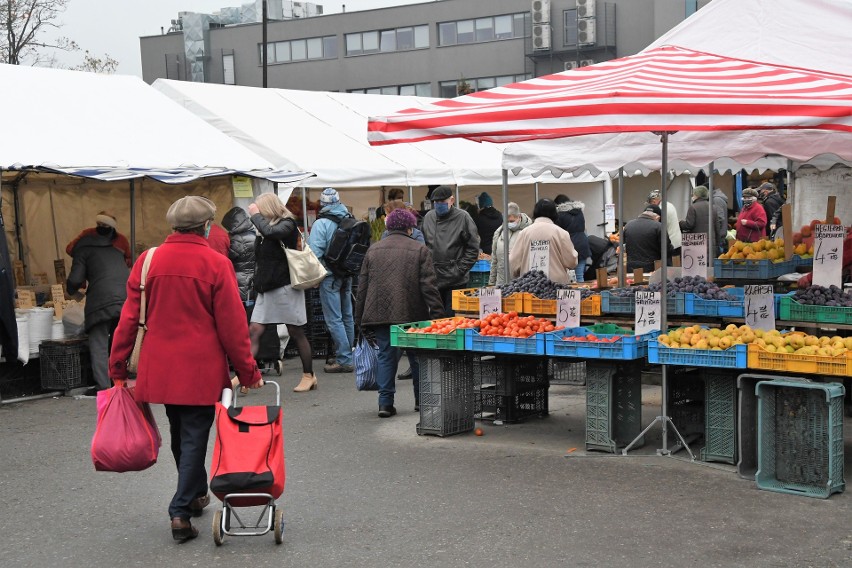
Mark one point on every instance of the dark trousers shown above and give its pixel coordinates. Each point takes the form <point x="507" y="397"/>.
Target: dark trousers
<point x="190" y="429"/>
<point x="447" y="300"/>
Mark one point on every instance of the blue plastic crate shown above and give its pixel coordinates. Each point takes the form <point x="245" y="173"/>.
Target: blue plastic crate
<point x="481" y="266"/>
<point x="735" y="357"/>
<point x="533" y="345"/>
<point x="734" y="308"/>
<point x="627" y="347"/>
<point x="800" y="437"/>
<point x="627" y="304"/>
<point x="757" y="269"/>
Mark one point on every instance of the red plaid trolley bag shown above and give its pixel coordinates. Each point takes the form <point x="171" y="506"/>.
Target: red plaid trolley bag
<point x="248" y="455"/>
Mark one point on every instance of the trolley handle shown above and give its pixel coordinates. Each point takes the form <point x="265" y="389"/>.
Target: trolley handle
<point x="265" y="382"/>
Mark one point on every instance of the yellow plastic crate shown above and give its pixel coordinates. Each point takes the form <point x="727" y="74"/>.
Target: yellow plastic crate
<point x="463" y="301"/>
<point x="760" y="358"/>
<point x="590" y="306"/>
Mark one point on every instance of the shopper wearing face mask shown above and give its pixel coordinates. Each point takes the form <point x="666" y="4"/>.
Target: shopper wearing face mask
<point x="751" y="222"/>
<point x="452" y="237"/>
<point x="101" y="264"/>
<point x="517" y="222"/>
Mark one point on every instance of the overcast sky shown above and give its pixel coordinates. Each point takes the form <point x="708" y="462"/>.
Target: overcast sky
<point x="114" y="27"/>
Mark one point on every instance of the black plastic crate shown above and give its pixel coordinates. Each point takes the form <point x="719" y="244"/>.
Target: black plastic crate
<point x="509" y="375"/>
<point x="686" y="405"/>
<point x="512" y="408"/>
<point x="561" y="371"/>
<point x="65" y="364"/>
<point x="447" y="400"/>
<point x="18" y="380"/>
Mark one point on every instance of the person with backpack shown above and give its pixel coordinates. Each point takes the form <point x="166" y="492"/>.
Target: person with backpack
<point x="340" y="242"/>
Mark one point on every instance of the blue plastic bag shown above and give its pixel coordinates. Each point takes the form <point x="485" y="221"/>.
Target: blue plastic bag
<point x="366" y="365"/>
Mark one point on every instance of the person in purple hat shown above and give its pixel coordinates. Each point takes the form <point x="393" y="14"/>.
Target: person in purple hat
<point x="397" y="284"/>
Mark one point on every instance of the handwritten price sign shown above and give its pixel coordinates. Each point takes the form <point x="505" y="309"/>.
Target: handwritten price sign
<point x="828" y="255"/>
<point x="568" y="308"/>
<point x="540" y="256"/>
<point x="759" y="306"/>
<point x="648" y="312"/>
<point x="694" y="254"/>
<point x="490" y="302"/>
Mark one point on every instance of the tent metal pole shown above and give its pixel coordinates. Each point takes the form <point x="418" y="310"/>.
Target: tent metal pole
<point x="536" y="193"/>
<point x="305" y="208"/>
<point x="16" y="201"/>
<point x="791" y="186"/>
<point x="458" y="199"/>
<point x="411" y="195"/>
<point x="133" y="220"/>
<point x="506" y="270"/>
<point x="712" y="237"/>
<point x="620" y="270"/>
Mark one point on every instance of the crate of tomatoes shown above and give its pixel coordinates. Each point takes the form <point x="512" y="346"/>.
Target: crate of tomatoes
<point x="510" y="333"/>
<point x="600" y="341"/>
<point x="447" y="333"/>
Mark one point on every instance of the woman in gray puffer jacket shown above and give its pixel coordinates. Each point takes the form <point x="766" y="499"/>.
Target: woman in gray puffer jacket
<point x="241" y="252"/>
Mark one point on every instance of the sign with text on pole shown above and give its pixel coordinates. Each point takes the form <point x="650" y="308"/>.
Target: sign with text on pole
<point x="490" y="302"/>
<point x="540" y="256"/>
<point x="568" y="308"/>
<point x="828" y="255"/>
<point x="693" y="256"/>
<point x="648" y="312"/>
<point x="759" y="306"/>
<point x="609" y="212"/>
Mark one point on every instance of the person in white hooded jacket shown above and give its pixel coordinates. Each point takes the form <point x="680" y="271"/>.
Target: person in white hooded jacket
<point x="518" y="221"/>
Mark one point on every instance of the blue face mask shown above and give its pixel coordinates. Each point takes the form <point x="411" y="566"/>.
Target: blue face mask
<point x="442" y="208"/>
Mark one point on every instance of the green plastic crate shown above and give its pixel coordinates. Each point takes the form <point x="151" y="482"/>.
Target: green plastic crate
<point x="453" y="341"/>
<point x="800" y="437"/>
<point x="613" y="406"/>
<point x="791" y="310"/>
<point x="720" y="417"/>
<point x="478" y="279"/>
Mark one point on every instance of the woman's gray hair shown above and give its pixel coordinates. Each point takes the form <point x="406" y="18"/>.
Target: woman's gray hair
<point x="513" y="209"/>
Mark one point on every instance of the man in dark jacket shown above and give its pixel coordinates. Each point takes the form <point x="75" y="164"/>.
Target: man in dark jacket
<point x="488" y="221"/>
<point x="241" y="250"/>
<point x="396" y="285"/>
<point x="771" y="201"/>
<point x="452" y="237"/>
<point x="720" y="211"/>
<point x="642" y="240"/>
<point x="572" y="219"/>
<point x="98" y="262"/>
<point x="698" y="215"/>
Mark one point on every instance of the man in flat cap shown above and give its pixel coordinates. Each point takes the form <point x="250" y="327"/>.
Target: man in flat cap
<point x="103" y="265"/>
<point x="452" y="237"/>
<point x="196" y="324"/>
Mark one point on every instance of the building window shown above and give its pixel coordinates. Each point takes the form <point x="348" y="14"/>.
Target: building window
<point x="420" y="90"/>
<point x="449" y="89"/>
<point x="301" y="49"/>
<point x="691" y="7"/>
<point x="228" y="69"/>
<point x="508" y="26"/>
<point x="569" y="18"/>
<point x="387" y="41"/>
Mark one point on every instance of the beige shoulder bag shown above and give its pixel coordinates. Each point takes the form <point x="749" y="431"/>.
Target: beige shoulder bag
<point x="133" y="364"/>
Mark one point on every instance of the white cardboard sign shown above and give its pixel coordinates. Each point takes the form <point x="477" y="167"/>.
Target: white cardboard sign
<point x="759" y="306"/>
<point x="828" y="255"/>
<point x="540" y="256"/>
<point x="648" y="312"/>
<point x="693" y="256"/>
<point x="490" y="302"/>
<point x="568" y="308"/>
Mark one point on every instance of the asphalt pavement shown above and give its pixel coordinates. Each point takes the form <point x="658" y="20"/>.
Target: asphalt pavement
<point x="365" y="491"/>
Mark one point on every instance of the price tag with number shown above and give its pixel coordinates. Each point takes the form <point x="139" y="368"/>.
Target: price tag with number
<point x="568" y="308"/>
<point x="540" y="256"/>
<point x="693" y="256"/>
<point x="490" y="302"/>
<point x="828" y="255"/>
<point x="648" y="312"/>
<point x="759" y="306"/>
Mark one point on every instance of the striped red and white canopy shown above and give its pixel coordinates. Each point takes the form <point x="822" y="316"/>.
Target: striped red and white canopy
<point x="666" y="89"/>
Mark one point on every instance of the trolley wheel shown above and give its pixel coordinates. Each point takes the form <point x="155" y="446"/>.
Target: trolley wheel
<point x="218" y="533"/>
<point x="279" y="367"/>
<point x="278" y="526"/>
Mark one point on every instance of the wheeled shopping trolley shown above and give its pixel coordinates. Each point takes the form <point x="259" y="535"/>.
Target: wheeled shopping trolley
<point x="248" y="469"/>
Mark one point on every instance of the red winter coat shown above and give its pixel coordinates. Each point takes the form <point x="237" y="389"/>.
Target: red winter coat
<point x="219" y="239"/>
<point x="196" y="323"/>
<point x="755" y="224"/>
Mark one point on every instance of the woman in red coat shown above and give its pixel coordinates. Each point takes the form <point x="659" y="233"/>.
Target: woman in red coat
<point x="196" y="323"/>
<point x="751" y="223"/>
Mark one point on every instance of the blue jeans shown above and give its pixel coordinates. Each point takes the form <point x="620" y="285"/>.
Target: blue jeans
<point x="388" y="364"/>
<point x="336" y="299"/>
<point x="580" y="271"/>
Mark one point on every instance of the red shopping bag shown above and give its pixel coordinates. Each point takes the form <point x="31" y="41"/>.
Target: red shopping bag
<point x="126" y="436"/>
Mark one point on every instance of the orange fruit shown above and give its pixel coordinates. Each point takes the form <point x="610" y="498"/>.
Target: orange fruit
<point x="478" y="432"/>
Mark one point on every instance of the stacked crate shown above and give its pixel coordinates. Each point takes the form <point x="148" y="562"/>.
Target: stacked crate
<point x="446" y="393"/>
<point x="510" y="389"/>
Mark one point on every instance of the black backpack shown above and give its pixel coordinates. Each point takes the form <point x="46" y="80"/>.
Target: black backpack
<point x="348" y="245"/>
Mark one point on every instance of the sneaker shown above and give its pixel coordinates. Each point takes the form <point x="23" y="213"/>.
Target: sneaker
<point x="386" y="411"/>
<point x="404" y="376"/>
<point x="93" y="391"/>
<point x="338" y="368"/>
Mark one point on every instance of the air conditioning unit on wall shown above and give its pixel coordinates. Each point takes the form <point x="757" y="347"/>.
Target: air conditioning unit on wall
<point x="586" y="36"/>
<point x="585" y="8"/>
<point x="586" y="62"/>
<point x="569" y="65"/>
<point x="541" y="37"/>
<point x="540" y="11"/>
